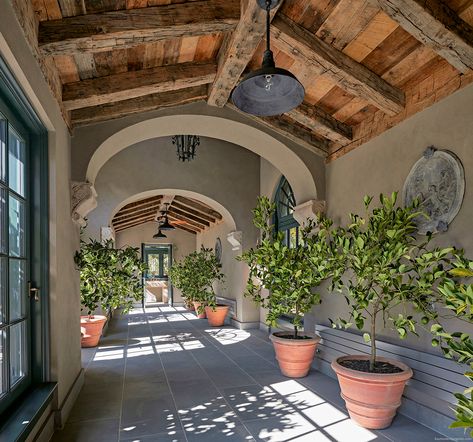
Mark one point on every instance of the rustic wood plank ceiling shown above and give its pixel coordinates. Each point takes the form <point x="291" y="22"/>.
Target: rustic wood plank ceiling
<point x="184" y="213"/>
<point x="366" y="65"/>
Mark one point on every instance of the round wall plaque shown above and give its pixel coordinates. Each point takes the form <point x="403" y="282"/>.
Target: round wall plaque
<point x="438" y="181"/>
<point x="218" y="250"/>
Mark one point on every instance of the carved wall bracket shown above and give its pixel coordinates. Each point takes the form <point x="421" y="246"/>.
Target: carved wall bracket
<point x="235" y="239"/>
<point x="84" y="200"/>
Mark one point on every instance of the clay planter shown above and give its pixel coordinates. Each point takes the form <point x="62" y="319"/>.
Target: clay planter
<point x="371" y="398"/>
<point x="196" y="308"/>
<point x="216" y="315"/>
<point x="91" y="330"/>
<point x="294" y="356"/>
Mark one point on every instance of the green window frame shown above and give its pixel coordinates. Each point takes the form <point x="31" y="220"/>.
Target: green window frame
<point x="284" y="215"/>
<point x="26" y="201"/>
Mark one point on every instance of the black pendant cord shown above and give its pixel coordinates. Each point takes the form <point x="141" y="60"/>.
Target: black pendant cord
<point x="268" y="24"/>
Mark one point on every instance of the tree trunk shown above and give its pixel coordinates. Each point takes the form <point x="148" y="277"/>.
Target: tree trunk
<point x="373" y="341"/>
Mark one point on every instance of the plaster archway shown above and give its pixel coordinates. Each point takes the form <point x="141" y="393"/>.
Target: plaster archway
<point x="227" y="216"/>
<point x="234" y="132"/>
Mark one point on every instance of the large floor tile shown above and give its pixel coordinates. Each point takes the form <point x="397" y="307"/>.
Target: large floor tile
<point x="170" y="436"/>
<point x="90" y="431"/>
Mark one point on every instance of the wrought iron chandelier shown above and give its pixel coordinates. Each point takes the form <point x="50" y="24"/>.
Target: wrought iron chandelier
<point x="270" y="90"/>
<point x="186" y="146"/>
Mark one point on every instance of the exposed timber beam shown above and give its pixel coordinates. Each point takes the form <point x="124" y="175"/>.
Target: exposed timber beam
<point x="139" y="205"/>
<point x="132" y="84"/>
<point x="285" y="127"/>
<point x="142" y="210"/>
<point x="95" y="114"/>
<point x="191" y="227"/>
<point x="27" y="19"/>
<point x="187" y="220"/>
<point x="175" y="211"/>
<point x="186" y="229"/>
<point x="190" y="211"/>
<point x="130" y="27"/>
<point x="133" y="223"/>
<point x="148" y="213"/>
<point x="198" y="206"/>
<point x="321" y="57"/>
<point x="238" y="50"/>
<point x="321" y="123"/>
<point x="437" y="26"/>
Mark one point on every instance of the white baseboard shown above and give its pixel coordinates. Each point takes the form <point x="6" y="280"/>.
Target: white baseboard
<point x="64" y="409"/>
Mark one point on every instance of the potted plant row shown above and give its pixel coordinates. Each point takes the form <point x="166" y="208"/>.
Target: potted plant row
<point x="196" y="275"/>
<point x="389" y="277"/>
<point x="110" y="278"/>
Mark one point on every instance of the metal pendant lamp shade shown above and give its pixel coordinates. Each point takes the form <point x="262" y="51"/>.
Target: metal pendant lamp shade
<point x="270" y="90"/>
<point x="159" y="235"/>
<point x="166" y="225"/>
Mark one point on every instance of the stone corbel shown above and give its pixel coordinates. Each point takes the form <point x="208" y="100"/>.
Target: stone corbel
<point x="235" y="239"/>
<point x="106" y="234"/>
<point x="308" y="210"/>
<point x="84" y="200"/>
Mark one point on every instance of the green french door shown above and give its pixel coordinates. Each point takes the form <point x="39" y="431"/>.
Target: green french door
<point x="14" y="256"/>
<point x="158" y="258"/>
<point x="24" y="263"/>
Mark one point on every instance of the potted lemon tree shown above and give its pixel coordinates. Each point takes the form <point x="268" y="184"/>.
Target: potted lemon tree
<point x="110" y="278"/>
<point x="391" y="277"/>
<point x="290" y="276"/>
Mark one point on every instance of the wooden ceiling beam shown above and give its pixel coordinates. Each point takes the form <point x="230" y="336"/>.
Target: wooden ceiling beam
<point x="187" y="209"/>
<point x="133" y="223"/>
<point x="131" y="27"/>
<point x="196" y="218"/>
<point x="285" y="127"/>
<point x="109" y="111"/>
<point x="200" y="207"/>
<point x="141" y="205"/>
<point x="322" y="58"/>
<point x="132" y="217"/>
<point x="186" y="229"/>
<point x="187" y="217"/>
<point x="188" y="226"/>
<point x="176" y="216"/>
<point x="238" y="50"/>
<point x="132" y="84"/>
<point x="321" y="123"/>
<point x="437" y="26"/>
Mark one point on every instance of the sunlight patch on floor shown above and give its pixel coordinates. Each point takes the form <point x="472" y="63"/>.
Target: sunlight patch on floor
<point x="109" y="353"/>
<point x="228" y="336"/>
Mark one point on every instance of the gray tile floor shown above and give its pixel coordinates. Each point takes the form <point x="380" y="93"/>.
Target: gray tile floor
<point x="163" y="375"/>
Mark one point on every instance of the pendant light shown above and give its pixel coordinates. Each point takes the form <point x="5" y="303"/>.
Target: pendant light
<point x="270" y="90"/>
<point x="159" y="235"/>
<point x="165" y="224"/>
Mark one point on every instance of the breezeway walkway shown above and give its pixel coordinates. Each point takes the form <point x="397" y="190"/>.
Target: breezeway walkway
<point x="162" y="375"/>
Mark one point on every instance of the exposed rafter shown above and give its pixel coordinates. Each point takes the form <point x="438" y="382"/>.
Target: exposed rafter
<point x="321" y="57"/>
<point x="321" y="123"/>
<point x="238" y="51"/>
<point x="198" y="206"/>
<point x="285" y="127"/>
<point x="132" y="84"/>
<point x="109" y="111"/>
<point x="130" y="27"/>
<point x="434" y="24"/>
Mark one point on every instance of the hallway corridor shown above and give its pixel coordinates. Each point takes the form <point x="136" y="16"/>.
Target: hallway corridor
<point x="162" y="375"/>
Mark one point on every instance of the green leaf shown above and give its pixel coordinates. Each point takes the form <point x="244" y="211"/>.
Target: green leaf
<point x="366" y="337"/>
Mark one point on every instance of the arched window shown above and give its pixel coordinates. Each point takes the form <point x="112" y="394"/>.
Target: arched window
<point x="283" y="218"/>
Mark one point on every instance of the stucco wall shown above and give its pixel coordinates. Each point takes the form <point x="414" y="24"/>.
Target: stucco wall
<point x="383" y="164"/>
<point x="64" y="236"/>
<point x="182" y="242"/>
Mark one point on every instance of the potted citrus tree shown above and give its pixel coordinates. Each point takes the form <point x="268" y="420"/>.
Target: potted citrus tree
<point x="178" y="277"/>
<point x="206" y="270"/>
<point x="290" y="275"/>
<point x="456" y="294"/>
<point x="110" y="278"/>
<point x="391" y="278"/>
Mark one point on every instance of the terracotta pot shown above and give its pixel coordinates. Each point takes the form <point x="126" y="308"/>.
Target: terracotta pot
<point x="91" y="330"/>
<point x="371" y="398"/>
<point x="294" y="356"/>
<point x="196" y="308"/>
<point x="216" y="315"/>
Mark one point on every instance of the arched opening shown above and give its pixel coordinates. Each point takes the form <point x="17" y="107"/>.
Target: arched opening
<point x="248" y="137"/>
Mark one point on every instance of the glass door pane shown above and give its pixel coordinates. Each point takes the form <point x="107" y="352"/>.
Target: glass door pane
<point x="18" y="354"/>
